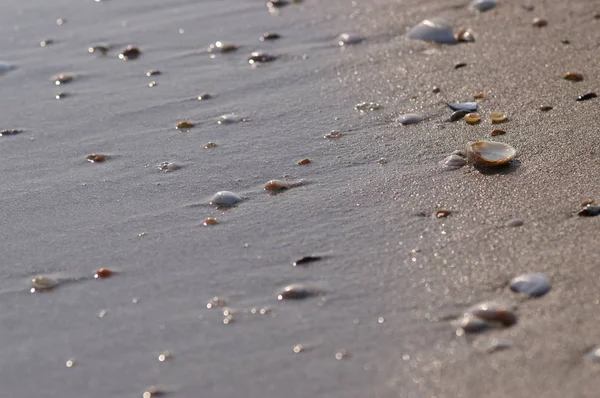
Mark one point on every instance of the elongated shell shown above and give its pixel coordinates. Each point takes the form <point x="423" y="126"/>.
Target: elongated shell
<point x="489" y="153"/>
<point x="434" y="29"/>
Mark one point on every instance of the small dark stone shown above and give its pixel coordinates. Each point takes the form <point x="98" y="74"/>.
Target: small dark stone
<point x="61" y="95"/>
<point x="102" y="50"/>
<point x="534" y="285"/>
<point x="590" y="211"/>
<point x="436" y="90"/>
<point x="565" y="41"/>
<point x="514" y="222"/>
<point x="586" y="97"/>
<point x="277" y="3"/>
<point x="457" y="115"/>
<point x="269" y="36"/>
<point x="260" y="58"/>
<point x="546" y="108"/>
<point x="460" y="65"/>
<point x="46" y="43"/>
<point x="306" y="260"/>
<point x="10" y="132"/>
<point x="130" y="53"/>
<point x="296" y="292"/>
<point x="153" y="72"/>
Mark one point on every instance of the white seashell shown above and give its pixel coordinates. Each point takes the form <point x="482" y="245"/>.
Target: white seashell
<point x="42" y="282"/>
<point x="453" y="162"/>
<point x="482" y="5"/>
<point x="490" y="153"/>
<point x="346" y="39"/>
<point x="435" y="29"/>
<point x="231" y="119"/>
<point x="225" y="198"/>
<point x="409" y="118"/>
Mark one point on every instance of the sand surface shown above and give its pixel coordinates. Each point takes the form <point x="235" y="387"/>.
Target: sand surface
<point x="392" y="278"/>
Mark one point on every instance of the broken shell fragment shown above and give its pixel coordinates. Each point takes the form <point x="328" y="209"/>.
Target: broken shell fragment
<point x="269" y="36"/>
<point x="367" y="106"/>
<point x="96" y="158"/>
<point x="498" y="117"/>
<point x="204" y="96"/>
<point x="102" y="273"/>
<point x="472" y="118"/>
<point x="168" y="167"/>
<point x="10" y="132"/>
<point x="546" y="108"/>
<point x="304" y="161"/>
<point x="482" y="5"/>
<point x="409" y="118"/>
<point x="210" y="221"/>
<point x="573" y="76"/>
<point x="498" y="132"/>
<point x="441" y="213"/>
<point x="63" y="78"/>
<point x="453" y="162"/>
<point x="305" y="260"/>
<point x="346" y="39"/>
<point x="489" y="153"/>
<point x="469" y="324"/>
<point x="231" y="119"/>
<point x="225" y="199"/>
<point x="435" y="29"/>
<point x="533" y="285"/>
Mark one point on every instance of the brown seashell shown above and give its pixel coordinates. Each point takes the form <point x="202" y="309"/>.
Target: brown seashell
<point x="441" y="213"/>
<point x="539" y="22"/>
<point x="573" y="76"/>
<point x="102" y="273"/>
<point x="489" y="153"/>
<point x="210" y="221"/>
<point x="304" y="161"/>
<point x="96" y="158"/>
<point x="472" y="118"/>
<point x="498" y="132"/>
<point x="184" y="125"/>
<point x="130" y="53"/>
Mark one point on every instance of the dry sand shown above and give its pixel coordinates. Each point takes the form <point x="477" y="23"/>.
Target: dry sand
<point x="63" y="216"/>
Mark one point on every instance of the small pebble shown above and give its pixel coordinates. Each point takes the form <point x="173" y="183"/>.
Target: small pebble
<point x="164" y="356"/>
<point x="61" y="95"/>
<point x="102" y="313"/>
<point x="96" y="158"/>
<point x="42" y="282"/>
<point x="231" y="119"/>
<point x="130" y="53"/>
<point x="533" y="285"/>
<point x="152" y="84"/>
<point x="441" y="213"/>
<point x="61" y="21"/>
<point x="409" y="118"/>
<point x="210" y="145"/>
<point x="280" y="185"/>
<point x="479" y="96"/>
<point x="168" y="167"/>
<point x="225" y="199"/>
<point x="304" y="161"/>
<point x="4" y="133"/>
<point x="463" y="106"/>
<point x="515" y="222"/>
<point x="204" y="96"/>
<point x="346" y="39"/>
<point x="590" y="211"/>
<point x="498" y="117"/>
<point x="472" y="118"/>
<point x="70" y="363"/>
<point x="216" y="302"/>
<point x="498" y="132"/>
<point x="296" y="292"/>
<point x="269" y="36"/>
<point x="210" y="221"/>
<point x="565" y="41"/>
<point x="258" y="57"/>
<point x="545" y="108"/>
<point x="539" y="22"/>
<point x="306" y="260"/>
<point x="494" y="312"/>
<point x="482" y="5"/>
<point x="63" y="78"/>
<point x="586" y="97"/>
<point x="469" y="324"/>
<point x="367" y="106"/>
<point x="341" y="355"/>
<point x="154" y="391"/>
<point x="46" y="43"/>
<point x="153" y="72"/>
<point x="103" y="273"/>
<point x="102" y="50"/>
<point x="496" y="345"/>
<point x="436" y="90"/>
<point x="222" y="47"/>
<point x="594" y="355"/>
<point x="333" y="134"/>
<point x="460" y="65"/>
<point x="573" y="76"/>
<point x="298" y="348"/>
<point x="183" y="125"/>
<point x="277" y="3"/>
<point x="465" y="35"/>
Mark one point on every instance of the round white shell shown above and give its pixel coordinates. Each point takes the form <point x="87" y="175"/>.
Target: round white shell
<point x="435" y="29"/>
<point x="490" y="153"/>
<point x="409" y="118"/>
<point x="225" y="198"/>
<point x="482" y="5"/>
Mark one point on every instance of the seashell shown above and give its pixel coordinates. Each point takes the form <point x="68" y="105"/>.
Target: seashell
<point x="296" y="292"/>
<point x="545" y="108"/>
<point x="333" y="134"/>
<point x="573" y="76"/>
<point x="590" y="210"/>
<point x="533" y="285"/>
<point x="205" y="96"/>
<point x="96" y="158"/>
<point x="482" y="5"/>
<point x="498" y="117"/>
<point x="465" y="35"/>
<point x="441" y="213"/>
<point x="304" y="161"/>
<point x="463" y="106"/>
<point x="184" y="125"/>
<point x="306" y="260"/>
<point x="493" y="312"/>
<point x="280" y="185"/>
<point x="231" y="119"/>
<point x="367" y="106"/>
<point x="210" y="145"/>
<point x="539" y="22"/>
<point x="586" y="97"/>
<point x="460" y="65"/>
<point x="457" y="115"/>
<point x="210" y="221"/>
<point x="269" y="36"/>
<point x="42" y="282"/>
<point x="130" y="53"/>
<point x="152" y="84"/>
<point x="168" y="167"/>
<point x="154" y="391"/>
<point x="258" y="57"/>
<point x="470" y="324"/>
<point x="435" y="29"/>
<point x="222" y="47"/>
<point x="472" y="118"/>
<point x="409" y="118"/>
<point x="453" y="162"/>
<point x="63" y="78"/>
<point x="102" y="273"/>
<point x="498" y="132"/>
<point x="346" y="39"/>
<point x="514" y="222"/>
<point x="153" y="72"/>
<point x="489" y="153"/>
<point x="102" y="50"/>
<point x="46" y="43"/>
<point x="4" y="133"/>
<point x="225" y="199"/>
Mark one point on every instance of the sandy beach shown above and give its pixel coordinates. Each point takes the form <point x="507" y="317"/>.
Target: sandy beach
<point x="391" y="277"/>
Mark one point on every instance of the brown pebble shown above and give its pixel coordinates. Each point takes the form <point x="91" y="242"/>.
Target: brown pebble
<point x="96" y="158"/>
<point x="210" y="221"/>
<point x="63" y="78"/>
<point x="210" y="145"/>
<point x="204" y="96"/>
<point x="498" y="132"/>
<point x="277" y="185"/>
<point x="539" y="22"/>
<point x="102" y="273"/>
<point x="436" y="90"/>
<point x="442" y="213"/>
<point x="304" y="161"/>
<point x="153" y="72"/>
<point x="130" y="53"/>
<point x="573" y="76"/>
<point x="184" y="125"/>
<point x="479" y="96"/>
<point x="546" y="108"/>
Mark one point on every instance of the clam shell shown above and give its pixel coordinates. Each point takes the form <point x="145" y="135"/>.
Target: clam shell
<point x="434" y="29"/>
<point x="225" y="198"/>
<point x="490" y="153"/>
<point x="482" y="5"/>
<point x="492" y="311"/>
<point x="409" y="118"/>
<point x="534" y="285"/>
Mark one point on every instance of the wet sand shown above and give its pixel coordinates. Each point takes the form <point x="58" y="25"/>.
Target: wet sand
<point x="392" y="278"/>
